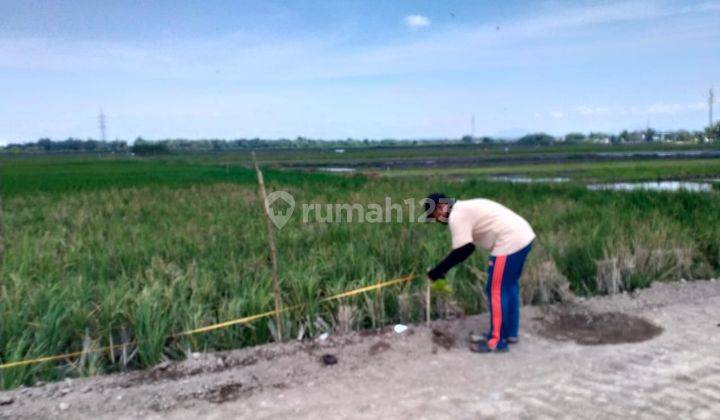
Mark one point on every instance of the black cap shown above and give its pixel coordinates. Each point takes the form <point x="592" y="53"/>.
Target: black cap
<point x="432" y="201"/>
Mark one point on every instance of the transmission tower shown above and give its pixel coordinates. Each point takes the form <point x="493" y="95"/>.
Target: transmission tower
<point x="711" y="100"/>
<point x="102" y="123"/>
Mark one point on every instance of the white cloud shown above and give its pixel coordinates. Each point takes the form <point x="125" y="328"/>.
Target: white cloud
<point x="661" y="108"/>
<point x="416" y="21"/>
<point x="557" y="114"/>
<point x="665" y="108"/>
<point x="592" y="110"/>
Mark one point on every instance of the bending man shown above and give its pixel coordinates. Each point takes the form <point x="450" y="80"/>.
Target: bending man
<point x="484" y="223"/>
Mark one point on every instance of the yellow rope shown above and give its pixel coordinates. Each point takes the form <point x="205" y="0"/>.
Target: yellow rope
<point x="57" y="357"/>
<point x="243" y="320"/>
<point x="368" y="288"/>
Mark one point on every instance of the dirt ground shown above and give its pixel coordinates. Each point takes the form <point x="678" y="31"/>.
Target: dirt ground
<point x="563" y="367"/>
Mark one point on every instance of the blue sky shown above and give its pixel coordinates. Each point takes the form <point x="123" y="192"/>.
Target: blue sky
<point x="337" y="69"/>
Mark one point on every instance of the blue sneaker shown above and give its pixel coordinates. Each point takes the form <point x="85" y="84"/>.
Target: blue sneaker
<point x="482" y="347"/>
<point x="475" y="338"/>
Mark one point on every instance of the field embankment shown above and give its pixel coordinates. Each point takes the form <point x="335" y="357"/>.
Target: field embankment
<point x="386" y="375"/>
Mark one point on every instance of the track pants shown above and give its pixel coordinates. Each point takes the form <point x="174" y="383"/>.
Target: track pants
<point x="503" y="292"/>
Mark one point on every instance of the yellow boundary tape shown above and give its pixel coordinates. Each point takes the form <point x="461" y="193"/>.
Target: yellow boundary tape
<point x="212" y="327"/>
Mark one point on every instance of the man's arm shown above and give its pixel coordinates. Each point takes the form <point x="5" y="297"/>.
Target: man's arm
<point x="455" y="257"/>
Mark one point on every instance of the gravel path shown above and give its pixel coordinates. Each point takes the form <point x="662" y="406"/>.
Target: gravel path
<point x="388" y="375"/>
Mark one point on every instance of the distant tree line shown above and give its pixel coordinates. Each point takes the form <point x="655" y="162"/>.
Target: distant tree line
<point x="649" y="135"/>
<point x="70" y="145"/>
<point x="144" y="147"/>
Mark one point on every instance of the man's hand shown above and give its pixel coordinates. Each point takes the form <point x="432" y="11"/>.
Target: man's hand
<point x="455" y="257"/>
<point x="433" y="274"/>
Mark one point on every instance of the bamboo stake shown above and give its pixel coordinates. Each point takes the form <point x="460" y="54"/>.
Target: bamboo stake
<point x="271" y="245"/>
<point x="112" y="347"/>
<point x="123" y="348"/>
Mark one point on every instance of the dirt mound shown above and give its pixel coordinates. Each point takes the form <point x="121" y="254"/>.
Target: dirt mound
<point x="589" y="329"/>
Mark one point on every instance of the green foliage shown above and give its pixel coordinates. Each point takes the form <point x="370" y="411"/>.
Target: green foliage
<point x="180" y="146"/>
<point x="46" y="145"/>
<point x="682" y="136"/>
<point x="631" y="137"/>
<point x="73" y="174"/>
<point x="537" y="139"/>
<point x="574" y="138"/>
<point x="146" y="148"/>
<point x="649" y="134"/>
<point x="441" y="287"/>
<point x="713" y="132"/>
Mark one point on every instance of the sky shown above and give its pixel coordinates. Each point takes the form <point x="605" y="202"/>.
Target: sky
<point x="360" y="69"/>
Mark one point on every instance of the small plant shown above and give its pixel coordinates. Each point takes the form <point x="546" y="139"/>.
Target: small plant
<point x="441" y="288"/>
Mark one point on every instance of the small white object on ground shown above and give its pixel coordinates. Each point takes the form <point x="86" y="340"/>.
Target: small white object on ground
<point x="64" y="406"/>
<point x="324" y="336"/>
<point x="400" y="328"/>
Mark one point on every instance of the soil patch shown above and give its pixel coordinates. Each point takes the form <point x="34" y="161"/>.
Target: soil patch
<point x="374" y="332"/>
<point x="378" y="348"/>
<point x="184" y="369"/>
<point x="329" y="359"/>
<point x="589" y="329"/>
<point x="443" y="338"/>
<point x="223" y="393"/>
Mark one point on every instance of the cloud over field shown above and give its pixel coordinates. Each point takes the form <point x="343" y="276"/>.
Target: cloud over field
<point x="416" y="21"/>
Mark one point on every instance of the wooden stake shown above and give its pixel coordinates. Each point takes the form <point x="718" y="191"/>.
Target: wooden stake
<point x="123" y="348"/>
<point x="112" y="347"/>
<point x="271" y="245"/>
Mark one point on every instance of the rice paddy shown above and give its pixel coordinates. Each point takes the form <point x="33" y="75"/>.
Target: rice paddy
<point x="117" y="250"/>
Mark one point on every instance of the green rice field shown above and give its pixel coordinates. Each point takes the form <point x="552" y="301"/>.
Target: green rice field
<point x="100" y="250"/>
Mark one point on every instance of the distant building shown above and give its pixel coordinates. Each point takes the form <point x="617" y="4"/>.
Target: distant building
<point x="604" y="140"/>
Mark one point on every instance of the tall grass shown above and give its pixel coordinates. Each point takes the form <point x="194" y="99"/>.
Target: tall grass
<point x="134" y="259"/>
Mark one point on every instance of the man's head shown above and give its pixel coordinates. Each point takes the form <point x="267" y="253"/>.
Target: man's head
<point x="437" y="207"/>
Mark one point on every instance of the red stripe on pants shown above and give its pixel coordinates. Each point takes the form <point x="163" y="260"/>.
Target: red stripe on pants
<point x="496" y="300"/>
